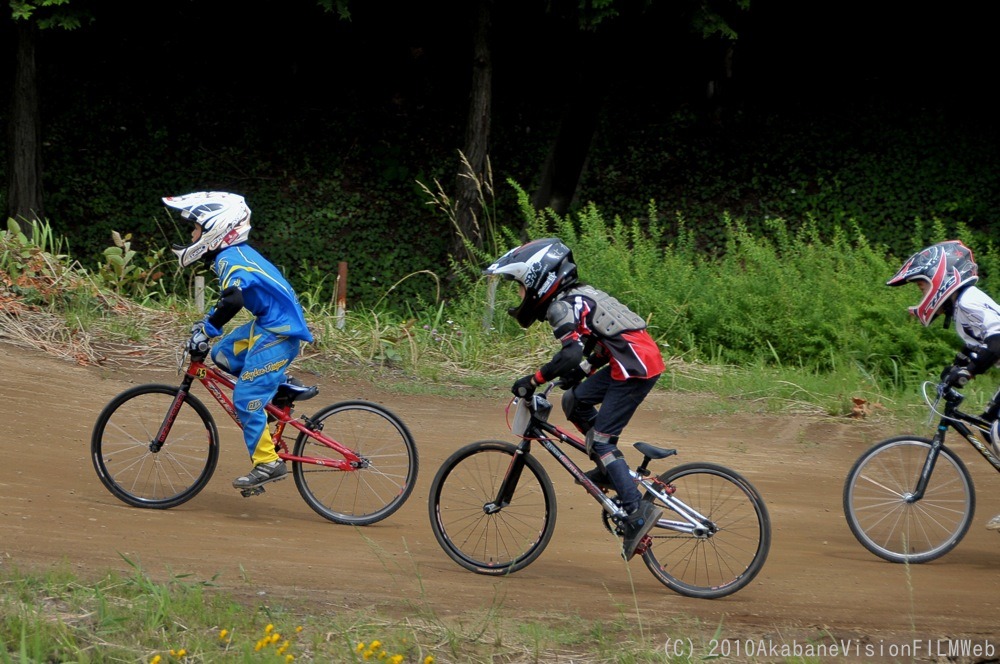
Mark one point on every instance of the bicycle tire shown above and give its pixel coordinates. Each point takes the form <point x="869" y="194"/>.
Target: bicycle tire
<point x="719" y="564"/>
<point x="876" y="507"/>
<point x="131" y="471"/>
<point x="510" y="538"/>
<point x="366" y="495"/>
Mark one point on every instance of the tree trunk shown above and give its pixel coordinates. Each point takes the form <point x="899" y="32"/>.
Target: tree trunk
<point x="561" y="173"/>
<point x="469" y="185"/>
<point x="24" y="155"/>
<point x="568" y="156"/>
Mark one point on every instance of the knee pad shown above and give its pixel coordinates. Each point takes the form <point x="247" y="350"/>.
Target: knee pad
<point x="221" y="360"/>
<point x="598" y="444"/>
<point x="569" y="403"/>
<point x="568" y="406"/>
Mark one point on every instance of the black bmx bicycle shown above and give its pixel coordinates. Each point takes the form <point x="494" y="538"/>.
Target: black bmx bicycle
<point x="910" y="499"/>
<point x="493" y="509"/>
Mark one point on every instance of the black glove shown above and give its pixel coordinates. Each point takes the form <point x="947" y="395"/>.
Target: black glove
<point x="964" y="357"/>
<point x="523" y="387"/>
<point x="954" y="376"/>
<point x="572" y="378"/>
<point x="198" y="343"/>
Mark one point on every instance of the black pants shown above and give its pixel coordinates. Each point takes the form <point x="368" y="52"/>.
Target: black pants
<point x="619" y="400"/>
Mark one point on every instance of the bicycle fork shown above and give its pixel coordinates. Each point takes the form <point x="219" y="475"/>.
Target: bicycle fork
<point x="168" y="421"/>
<point x="928" y="468"/>
<point x="506" y="491"/>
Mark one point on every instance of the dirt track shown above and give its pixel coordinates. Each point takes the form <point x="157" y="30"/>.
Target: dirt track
<point x="818" y="581"/>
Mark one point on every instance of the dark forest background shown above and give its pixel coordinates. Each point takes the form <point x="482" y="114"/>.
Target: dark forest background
<point x="833" y="112"/>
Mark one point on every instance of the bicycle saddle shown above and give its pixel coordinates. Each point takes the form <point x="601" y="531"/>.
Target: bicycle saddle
<point x="293" y="390"/>
<point x="654" y="452"/>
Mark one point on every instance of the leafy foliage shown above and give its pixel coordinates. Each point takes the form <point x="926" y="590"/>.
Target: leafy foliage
<point x="873" y="167"/>
<point x="782" y="298"/>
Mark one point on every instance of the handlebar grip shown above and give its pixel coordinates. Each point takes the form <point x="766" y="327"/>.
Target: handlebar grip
<point x="200" y="352"/>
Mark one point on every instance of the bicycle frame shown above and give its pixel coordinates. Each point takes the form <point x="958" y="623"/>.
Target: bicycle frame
<point x="540" y="429"/>
<point x="955" y="419"/>
<point x="220" y="386"/>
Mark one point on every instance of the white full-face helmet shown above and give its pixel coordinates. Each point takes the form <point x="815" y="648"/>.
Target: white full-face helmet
<point x="224" y="219"/>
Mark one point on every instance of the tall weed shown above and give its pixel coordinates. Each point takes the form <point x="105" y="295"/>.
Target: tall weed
<point x="791" y="301"/>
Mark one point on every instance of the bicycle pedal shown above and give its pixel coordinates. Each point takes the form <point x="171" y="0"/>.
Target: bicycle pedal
<point x="258" y="489"/>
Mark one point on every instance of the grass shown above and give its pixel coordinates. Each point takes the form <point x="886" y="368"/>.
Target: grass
<point x="56" y="617"/>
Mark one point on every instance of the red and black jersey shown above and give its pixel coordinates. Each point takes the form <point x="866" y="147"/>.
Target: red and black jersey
<point x="609" y="330"/>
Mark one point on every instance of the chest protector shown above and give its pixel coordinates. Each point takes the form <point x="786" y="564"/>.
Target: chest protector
<point x="609" y="316"/>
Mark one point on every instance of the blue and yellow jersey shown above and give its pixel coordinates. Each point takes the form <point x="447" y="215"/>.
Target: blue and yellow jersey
<point x="266" y="293"/>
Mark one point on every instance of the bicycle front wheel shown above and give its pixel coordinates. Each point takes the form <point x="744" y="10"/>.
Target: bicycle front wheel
<point x="365" y="495"/>
<point x="473" y="529"/>
<point x="884" y="517"/>
<point x="122" y="454"/>
<point x="725" y="554"/>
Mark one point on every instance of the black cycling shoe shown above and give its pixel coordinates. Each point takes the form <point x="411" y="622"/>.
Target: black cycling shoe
<point x="637" y="525"/>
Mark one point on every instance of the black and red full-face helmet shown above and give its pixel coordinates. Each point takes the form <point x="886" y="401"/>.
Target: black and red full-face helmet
<point x="947" y="267"/>
<point x="544" y="267"/>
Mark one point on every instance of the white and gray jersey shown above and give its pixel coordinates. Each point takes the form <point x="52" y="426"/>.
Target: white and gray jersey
<point x="977" y="316"/>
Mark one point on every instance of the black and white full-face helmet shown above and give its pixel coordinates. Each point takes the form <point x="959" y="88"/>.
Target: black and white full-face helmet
<point x="544" y="267"/>
<point x="224" y="219"/>
<point x="946" y="267"/>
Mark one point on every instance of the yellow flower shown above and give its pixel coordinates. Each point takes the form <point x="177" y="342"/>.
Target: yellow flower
<point x="155" y="660"/>
<point x="396" y="659"/>
<point x="182" y="652"/>
<point x="223" y="634"/>
<point x="289" y="658"/>
<point x="366" y="655"/>
<point x="429" y="659"/>
<point x="376" y="644"/>
<point x="360" y="646"/>
<point x="298" y="629"/>
<point x="267" y="630"/>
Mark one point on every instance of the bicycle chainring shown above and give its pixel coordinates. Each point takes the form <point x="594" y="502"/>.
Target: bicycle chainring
<point x="607" y="521"/>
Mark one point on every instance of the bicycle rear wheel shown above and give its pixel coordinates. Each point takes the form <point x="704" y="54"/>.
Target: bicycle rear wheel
<point x="366" y="495"/>
<point x="723" y="558"/>
<point x="120" y="447"/>
<point x="879" y="511"/>
<point x="499" y="539"/>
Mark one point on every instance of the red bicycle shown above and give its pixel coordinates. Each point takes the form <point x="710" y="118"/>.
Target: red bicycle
<point x="156" y="446"/>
